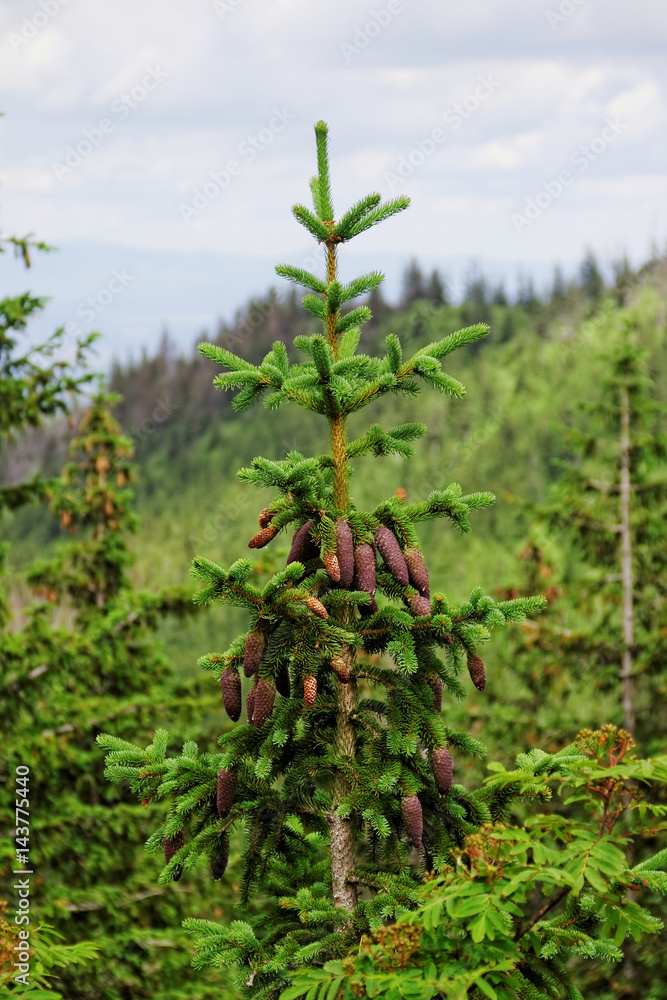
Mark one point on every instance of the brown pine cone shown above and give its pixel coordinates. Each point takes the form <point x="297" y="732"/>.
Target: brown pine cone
<point x="341" y="669"/>
<point x="441" y="761"/>
<point x="263" y="537"/>
<point x="250" y="704"/>
<point x="419" y="605"/>
<point x="172" y="846"/>
<point x="330" y="561"/>
<point x="345" y="552"/>
<point x="390" y="551"/>
<point x="303" y="547"/>
<point x="255" y="645"/>
<point x="230" y="686"/>
<point x="417" y="571"/>
<point x="317" y="607"/>
<point x="477" y="671"/>
<point x="401" y="494"/>
<point x="219" y="861"/>
<point x="282" y="680"/>
<point x="364" y="564"/>
<point x="265" y="517"/>
<point x="225" y="792"/>
<point x="435" y="685"/>
<point x="413" y="821"/>
<point x="309" y="690"/>
<point x="265" y="695"/>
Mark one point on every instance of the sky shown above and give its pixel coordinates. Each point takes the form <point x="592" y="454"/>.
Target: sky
<point x="160" y="145"/>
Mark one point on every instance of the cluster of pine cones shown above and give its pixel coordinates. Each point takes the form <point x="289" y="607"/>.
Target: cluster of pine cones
<point x="348" y="567"/>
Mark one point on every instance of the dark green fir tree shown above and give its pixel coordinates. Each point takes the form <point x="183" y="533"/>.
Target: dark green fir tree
<point x="84" y="661"/>
<point x="340" y="781"/>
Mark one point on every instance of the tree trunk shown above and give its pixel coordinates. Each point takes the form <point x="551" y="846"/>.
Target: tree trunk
<point x="627" y="677"/>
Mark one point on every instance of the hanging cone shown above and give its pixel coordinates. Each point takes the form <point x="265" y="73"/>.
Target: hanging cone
<point x="317" y="607"/>
<point x="341" y="669"/>
<point x="477" y="671"/>
<point x="230" y="686"/>
<point x="220" y="860"/>
<point x="282" y="680"/>
<point x="309" y="690"/>
<point x="263" y="537"/>
<point x="435" y="685"/>
<point x="390" y="551"/>
<point x="417" y="571"/>
<point x="303" y="547"/>
<point x="225" y="792"/>
<point x="419" y="605"/>
<point x="441" y="761"/>
<point x="413" y="821"/>
<point x="250" y="704"/>
<point x="330" y="560"/>
<point x="345" y="552"/>
<point x="255" y="645"/>
<point x="172" y="846"/>
<point x="364" y="564"/>
<point x="265" y="517"/>
<point x="265" y="695"/>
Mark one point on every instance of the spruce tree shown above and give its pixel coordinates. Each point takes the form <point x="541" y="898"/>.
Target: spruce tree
<point x="611" y="505"/>
<point x="341" y="776"/>
<point x="86" y="660"/>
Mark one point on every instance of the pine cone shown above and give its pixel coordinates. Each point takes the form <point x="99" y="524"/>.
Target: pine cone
<point x="282" y="680"/>
<point x="390" y="551"/>
<point x="265" y="695"/>
<point x="220" y="860"/>
<point x="303" y="547"/>
<point x="263" y="537"/>
<point x="250" y="704"/>
<point x="265" y="517"/>
<point x="172" y="846"/>
<point x="330" y="561"/>
<point x="477" y="671"/>
<point x="317" y="607"/>
<point x="341" y="669"/>
<point x="435" y="685"/>
<point x="417" y="571"/>
<point x="345" y="552"/>
<point x="230" y="686"/>
<point x="255" y="645"/>
<point x="401" y="494"/>
<point x="419" y="605"/>
<point x="441" y="760"/>
<point x="309" y="690"/>
<point x="413" y="821"/>
<point x="225" y="792"/>
<point x="364" y="564"/>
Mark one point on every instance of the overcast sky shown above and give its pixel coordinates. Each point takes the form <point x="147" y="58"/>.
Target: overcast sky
<point x="523" y="130"/>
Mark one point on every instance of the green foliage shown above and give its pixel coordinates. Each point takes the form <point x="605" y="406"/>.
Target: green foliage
<point x="506" y="915"/>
